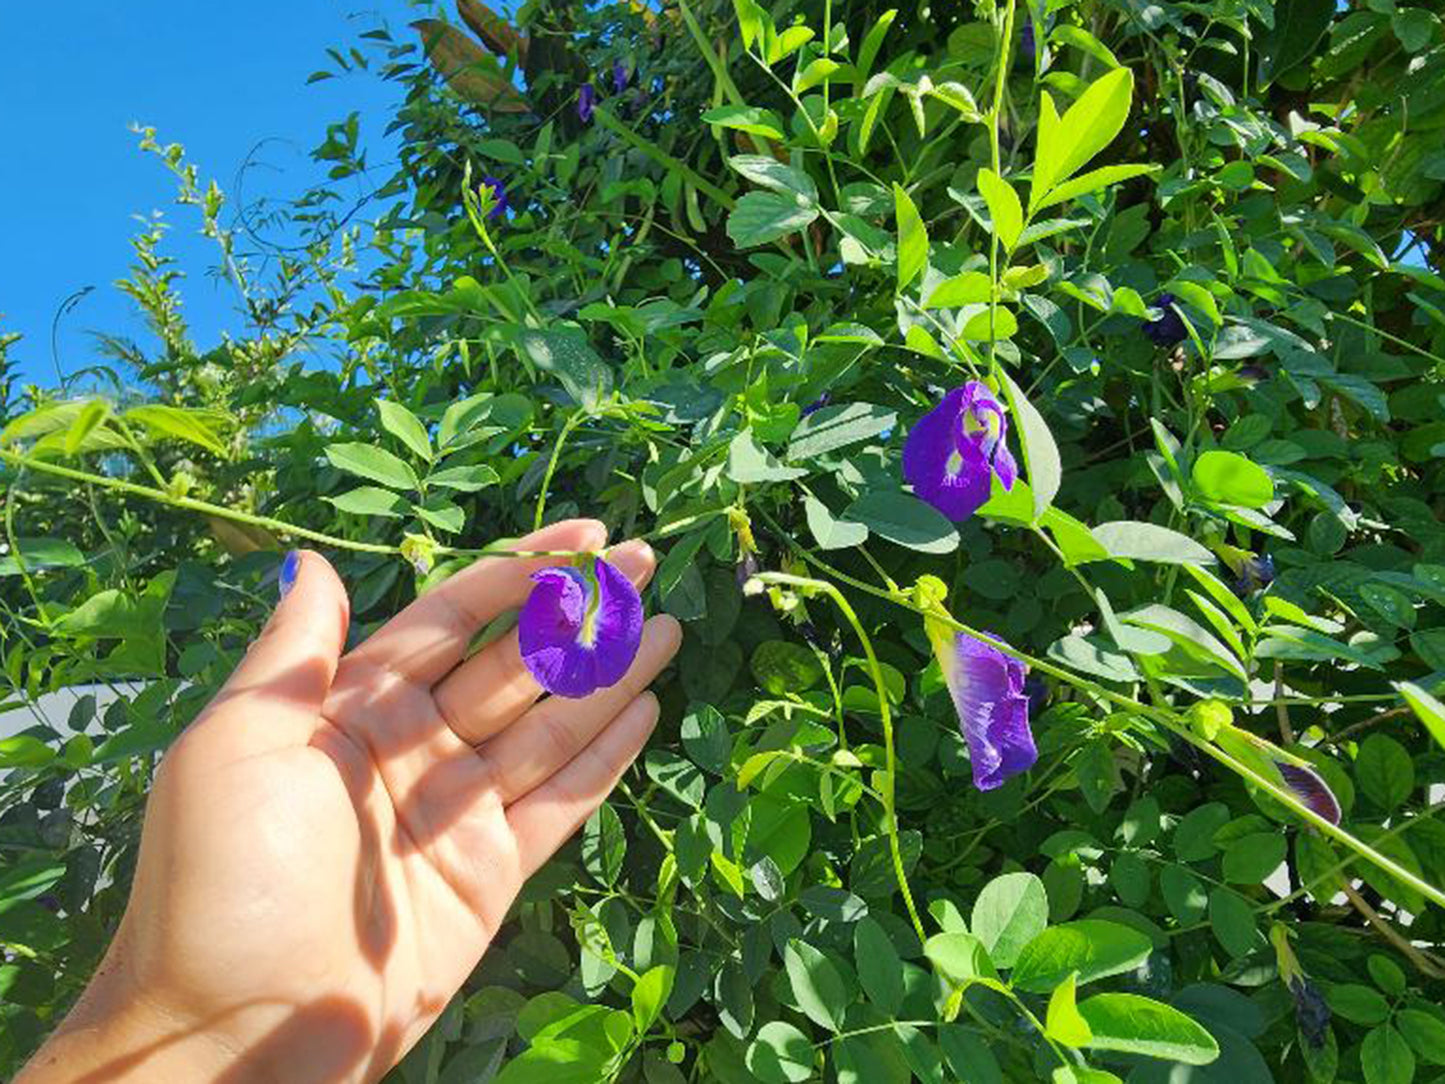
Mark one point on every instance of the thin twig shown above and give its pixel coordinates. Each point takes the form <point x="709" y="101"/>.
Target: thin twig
<point x="1428" y="965"/>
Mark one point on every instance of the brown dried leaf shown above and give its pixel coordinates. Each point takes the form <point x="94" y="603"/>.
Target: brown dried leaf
<point x="496" y="32"/>
<point x="467" y="69"/>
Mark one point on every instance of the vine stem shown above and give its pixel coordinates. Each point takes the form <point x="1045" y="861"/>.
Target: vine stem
<point x="190" y="504"/>
<point x="886" y="792"/>
<point x="570" y="424"/>
<point x="996" y="160"/>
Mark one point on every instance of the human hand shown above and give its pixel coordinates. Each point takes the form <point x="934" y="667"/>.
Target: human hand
<point x="329" y="849"/>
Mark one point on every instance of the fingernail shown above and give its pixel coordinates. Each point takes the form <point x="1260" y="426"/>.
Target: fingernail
<point x="289" y="568"/>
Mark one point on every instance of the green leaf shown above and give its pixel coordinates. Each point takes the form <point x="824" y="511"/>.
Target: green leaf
<point x="904" y="520"/>
<point x="958" y="957"/>
<point x="1150" y="542"/>
<point x="372" y="463"/>
<point x="371" y="501"/>
<point x="1249" y="859"/>
<point x="40" y="554"/>
<point x="1384" y="771"/>
<point x="1063" y="1023"/>
<point x="90" y="418"/>
<point x="1092" y="947"/>
<point x="746" y="118"/>
<point x="405" y="426"/>
<point x="749" y="462"/>
<point x="649" y="994"/>
<point x="556" y="1061"/>
<point x="817" y="987"/>
<point x="880" y="971"/>
<point x="191" y="426"/>
<point x="1386" y="1058"/>
<point x="24" y="751"/>
<point x="1009" y="912"/>
<point x="782" y="179"/>
<point x="969" y="288"/>
<point x="762" y="217"/>
<point x="604" y="845"/>
<point x="1065" y="144"/>
<point x="1092" y="181"/>
<point x="1004" y="208"/>
<point x="1232" y="920"/>
<point x="912" y="238"/>
<point x="567" y="355"/>
<point x="995" y="322"/>
<point x="1425" y="1033"/>
<point x="464" y="479"/>
<point x="836" y="427"/>
<point x="830" y="532"/>
<point x="1430" y="711"/>
<point x="1230" y="478"/>
<point x="1132" y="1024"/>
<point x="1041" y="454"/>
<point x="781" y="1054"/>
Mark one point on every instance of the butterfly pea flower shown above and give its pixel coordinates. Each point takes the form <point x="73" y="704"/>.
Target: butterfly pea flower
<point x="988" y="692"/>
<point x="580" y="628"/>
<point x="953" y="453"/>
<point x="1169" y="329"/>
<point x="1028" y="47"/>
<point x="620" y="76"/>
<point x="499" y="196"/>
<point x="586" y="102"/>
<point x="824" y="398"/>
<point x="1310" y="788"/>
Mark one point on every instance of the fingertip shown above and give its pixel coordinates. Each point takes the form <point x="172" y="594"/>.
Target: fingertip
<point x="668" y="630"/>
<point x="635" y="560"/>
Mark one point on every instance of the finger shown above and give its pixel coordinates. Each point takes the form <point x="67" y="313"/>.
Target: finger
<point x="542" y="741"/>
<point x="546" y="818"/>
<point x="491" y="690"/>
<point x="431" y="636"/>
<point x="274" y="697"/>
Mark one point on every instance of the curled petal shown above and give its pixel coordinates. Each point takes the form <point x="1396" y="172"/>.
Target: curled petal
<point x="1005" y="467"/>
<point x="619" y="624"/>
<point x="1311" y="789"/>
<point x="987" y="688"/>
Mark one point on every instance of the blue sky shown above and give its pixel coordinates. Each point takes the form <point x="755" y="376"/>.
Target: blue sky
<point x="219" y="79"/>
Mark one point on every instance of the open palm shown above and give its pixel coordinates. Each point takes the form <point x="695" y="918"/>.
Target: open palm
<point x="331" y="847"/>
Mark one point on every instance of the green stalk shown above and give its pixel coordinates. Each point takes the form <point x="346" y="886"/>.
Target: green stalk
<point x="890" y="808"/>
<point x="570" y="424"/>
<point x="996" y="159"/>
<point x="661" y="157"/>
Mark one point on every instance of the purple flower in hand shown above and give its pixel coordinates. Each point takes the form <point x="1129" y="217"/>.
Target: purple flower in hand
<point x="580" y="630"/>
<point x="1169" y="329"/>
<point x="499" y="197"/>
<point x="954" y="451"/>
<point x="988" y="693"/>
<point x="586" y="102"/>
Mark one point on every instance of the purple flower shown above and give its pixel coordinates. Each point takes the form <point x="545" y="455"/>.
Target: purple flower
<point x="1311" y="789"/>
<point x="1169" y="329"/>
<point x="620" y="78"/>
<point x="1311" y="1011"/>
<point x="954" y="451"/>
<point x="586" y="102"/>
<point x="580" y="629"/>
<point x="988" y="693"/>
<point x="817" y="404"/>
<point x="1027" y="45"/>
<point x="499" y="196"/>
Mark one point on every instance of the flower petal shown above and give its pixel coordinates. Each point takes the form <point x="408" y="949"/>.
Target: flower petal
<point x="1005" y="466"/>
<point x="547" y="631"/>
<point x="1311" y="789"/>
<point x="986" y="686"/>
<point x="619" y="624"/>
<point x="952" y="476"/>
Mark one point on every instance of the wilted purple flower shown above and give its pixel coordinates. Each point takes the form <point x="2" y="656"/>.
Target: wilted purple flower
<point x="747" y="569"/>
<point x="586" y="102"/>
<point x="620" y="77"/>
<point x="954" y="451"/>
<point x="1311" y="789"/>
<point x="817" y="404"/>
<point x="1169" y="329"/>
<point x="987" y="687"/>
<point x="580" y="630"/>
<point x="1311" y="1011"/>
<point x="499" y="196"/>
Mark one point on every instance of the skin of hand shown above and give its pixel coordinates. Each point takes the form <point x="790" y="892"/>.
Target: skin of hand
<point x="329" y="849"/>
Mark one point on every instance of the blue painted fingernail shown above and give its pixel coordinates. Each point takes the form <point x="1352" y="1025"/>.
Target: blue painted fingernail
<point x="289" y="568"/>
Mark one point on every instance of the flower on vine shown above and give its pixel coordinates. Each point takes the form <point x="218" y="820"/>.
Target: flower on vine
<point x="1027" y="45"/>
<point x="499" y="197"/>
<point x="1311" y="789"/>
<point x="586" y="102"/>
<point x="1169" y="329"/>
<point x="953" y="453"/>
<point x="580" y="628"/>
<point x="1252" y="571"/>
<point x="824" y="398"/>
<point x="620" y="77"/>
<point x="988" y="693"/>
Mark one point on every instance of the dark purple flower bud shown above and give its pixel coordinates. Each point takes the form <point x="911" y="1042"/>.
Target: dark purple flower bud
<point x="1311" y="789"/>
<point x="1028" y="48"/>
<point x="620" y="76"/>
<point x="953" y="453"/>
<point x="747" y="569"/>
<point x="499" y="196"/>
<point x="1169" y="329"/>
<point x="1256" y="572"/>
<point x="586" y="102"/>
<point x="817" y="404"/>
<point x="580" y="630"/>
<point x="1311" y="1011"/>
<point x="987" y="688"/>
<point x="1254" y="373"/>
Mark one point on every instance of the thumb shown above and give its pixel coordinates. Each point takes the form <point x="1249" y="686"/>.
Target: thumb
<point x="274" y="697"/>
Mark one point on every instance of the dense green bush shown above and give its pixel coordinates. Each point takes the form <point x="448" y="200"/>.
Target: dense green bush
<point x="711" y="311"/>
